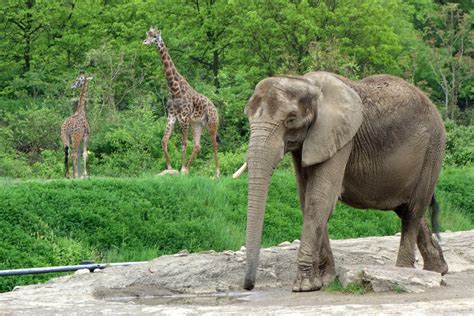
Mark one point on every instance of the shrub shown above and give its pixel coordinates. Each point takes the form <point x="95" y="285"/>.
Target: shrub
<point x="459" y="144"/>
<point x="30" y="131"/>
<point x="130" y="145"/>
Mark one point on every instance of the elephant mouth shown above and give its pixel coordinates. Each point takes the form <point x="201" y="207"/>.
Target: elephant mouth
<point x="292" y="145"/>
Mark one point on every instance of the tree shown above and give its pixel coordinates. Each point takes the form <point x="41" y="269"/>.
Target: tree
<point x="450" y="38"/>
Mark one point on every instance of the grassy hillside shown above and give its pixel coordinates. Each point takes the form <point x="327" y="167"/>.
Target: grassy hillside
<point x="59" y="222"/>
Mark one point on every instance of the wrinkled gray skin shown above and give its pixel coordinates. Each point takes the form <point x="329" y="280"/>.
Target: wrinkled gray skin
<point x="375" y="143"/>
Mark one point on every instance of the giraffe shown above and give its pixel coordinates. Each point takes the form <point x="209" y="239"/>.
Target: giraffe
<point x="76" y="129"/>
<point x="187" y="106"/>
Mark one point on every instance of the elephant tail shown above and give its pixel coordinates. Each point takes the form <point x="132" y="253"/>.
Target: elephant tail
<point x="435" y="216"/>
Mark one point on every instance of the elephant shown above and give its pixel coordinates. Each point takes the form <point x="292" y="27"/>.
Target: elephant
<point x="374" y="143"/>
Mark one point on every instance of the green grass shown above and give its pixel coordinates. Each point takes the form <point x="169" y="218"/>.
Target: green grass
<point x="60" y="222"/>
<point x="358" y="287"/>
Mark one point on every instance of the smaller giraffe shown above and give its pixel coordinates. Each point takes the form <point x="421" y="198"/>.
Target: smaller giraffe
<point x="76" y="129"/>
<point x="187" y="106"/>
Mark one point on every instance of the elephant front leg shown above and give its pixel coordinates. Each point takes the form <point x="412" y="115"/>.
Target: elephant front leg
<point x="326" y="264"/>
<point x="315" y="260"/>
<point x="323" y="185"/>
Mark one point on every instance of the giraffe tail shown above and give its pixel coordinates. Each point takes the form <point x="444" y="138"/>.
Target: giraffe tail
<point x="66" y="159"/>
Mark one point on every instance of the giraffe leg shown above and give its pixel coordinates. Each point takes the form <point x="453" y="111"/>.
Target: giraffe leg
<point x="76" y="140"/>
<point x="84" y="156"/>
<point x="65" y="140"/>
<point x="166" y="137"/>
<point x="184" y="137"/>
<point x="197" y="131"/>
<point x="215" y="145"/>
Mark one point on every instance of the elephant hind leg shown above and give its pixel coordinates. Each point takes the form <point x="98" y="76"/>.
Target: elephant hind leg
<point x="430" y="250"/>
<point x="410" y="226"/>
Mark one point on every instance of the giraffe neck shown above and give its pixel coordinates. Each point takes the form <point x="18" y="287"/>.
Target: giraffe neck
<point x="82" y="99"/>
<point x="172" y="75"/>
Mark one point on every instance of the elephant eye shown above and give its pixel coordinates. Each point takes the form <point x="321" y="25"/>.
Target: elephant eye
<point x="291" y="119"/>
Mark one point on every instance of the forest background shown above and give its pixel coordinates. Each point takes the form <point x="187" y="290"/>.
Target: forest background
<point x="124" y="212"/>
<point x="223" y="48"/>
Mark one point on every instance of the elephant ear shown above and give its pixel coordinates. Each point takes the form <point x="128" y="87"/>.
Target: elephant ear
<point x="338" y="117"/>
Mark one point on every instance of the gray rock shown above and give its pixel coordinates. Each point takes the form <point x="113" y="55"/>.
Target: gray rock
<point x="400" y="279"/>
<point x="290" y="247"/>
<point x="169" y="173"/>
<point x="348" y="274"/>
<point x="182" y="253"/>
<point x="390" y="278"/>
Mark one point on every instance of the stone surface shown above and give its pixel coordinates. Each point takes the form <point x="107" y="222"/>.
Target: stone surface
<point x="169" y="173"/>
<point x="389" y="278"/>
<point x="397" y="279"/>
<point x="212" y="283"/>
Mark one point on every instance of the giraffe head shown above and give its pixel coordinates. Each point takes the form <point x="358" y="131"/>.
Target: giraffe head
<point x="80" y="80"/>
<point x="153" y="36"/>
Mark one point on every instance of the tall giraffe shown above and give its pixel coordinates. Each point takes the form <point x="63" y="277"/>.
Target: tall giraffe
<point x="187" y="106"/>
<point x="76" y="129"/>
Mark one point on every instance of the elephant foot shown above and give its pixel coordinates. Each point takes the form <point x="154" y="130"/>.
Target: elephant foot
<point x="405" y="263"/>
<point x="440" y="267"/>
<point x="306" y="281"/>
<point x="328" y="277"/>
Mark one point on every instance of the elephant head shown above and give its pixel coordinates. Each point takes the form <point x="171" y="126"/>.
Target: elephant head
<point x="316" y="114"/>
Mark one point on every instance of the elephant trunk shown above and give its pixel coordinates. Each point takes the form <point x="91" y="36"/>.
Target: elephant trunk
<point x="262" y="159"/>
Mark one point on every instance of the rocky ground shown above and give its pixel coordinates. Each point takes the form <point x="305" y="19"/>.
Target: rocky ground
<point x="211" y="283"/>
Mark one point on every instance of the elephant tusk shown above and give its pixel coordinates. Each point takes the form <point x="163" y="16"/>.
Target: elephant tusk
<point x="241" y="170"/>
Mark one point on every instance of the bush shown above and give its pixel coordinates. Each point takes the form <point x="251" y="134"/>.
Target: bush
<point x="455" y="186"/>
<point x="14" y="165"/>
<point x="130" y="145"/>
<point x="30" y="131"/>
<point x="459" y="144"/>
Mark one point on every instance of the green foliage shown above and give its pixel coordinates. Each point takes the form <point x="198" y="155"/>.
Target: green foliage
<point x="358" y="287"/>
<point x="32" y="131"/>
<point x="222" y="47"/>
<point x="455" y="191"/>
<point x="459" y="144"/>
<point x="14" y="165"/>
<point x="129" y="144"/>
